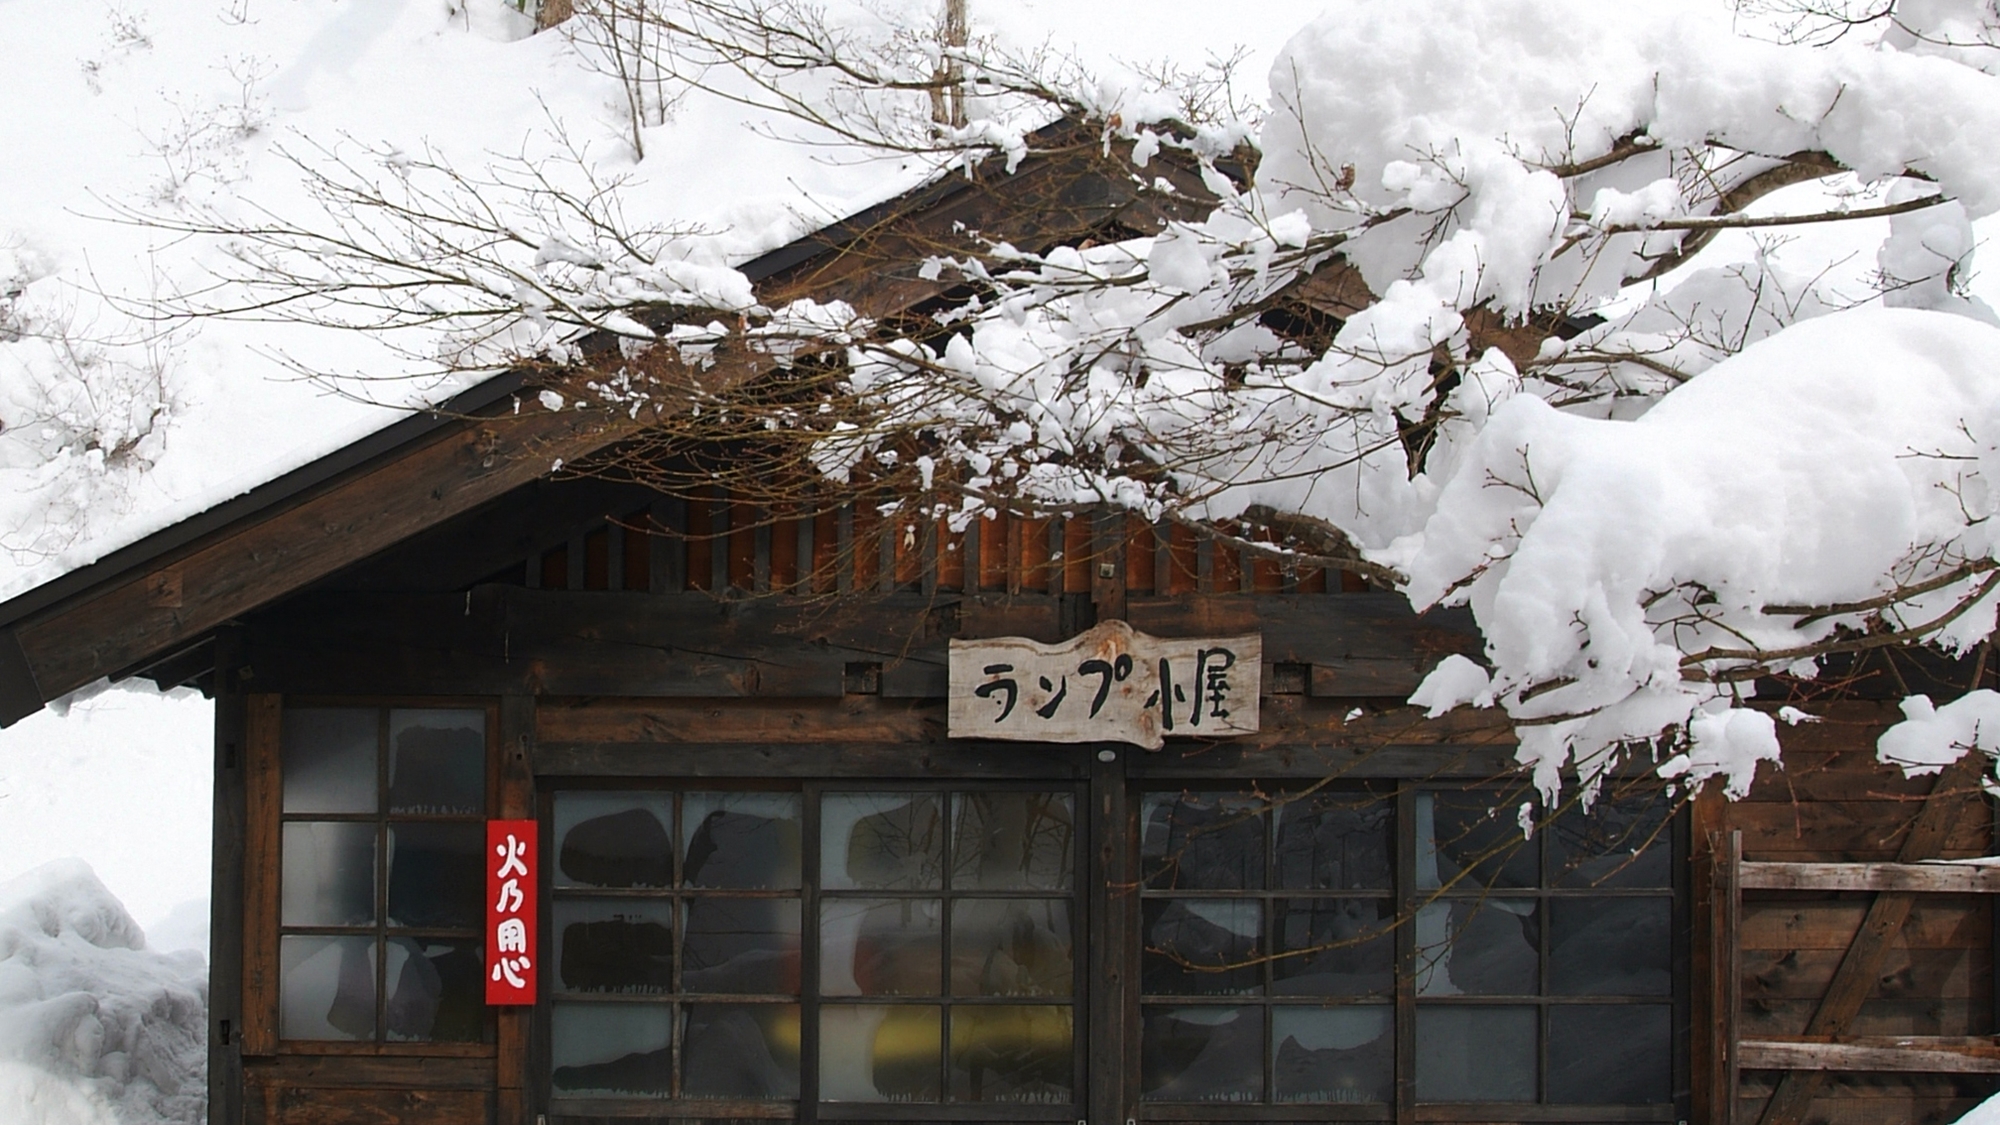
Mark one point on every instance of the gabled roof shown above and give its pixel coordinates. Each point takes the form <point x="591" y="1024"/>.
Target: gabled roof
<point x="162" y="597"/>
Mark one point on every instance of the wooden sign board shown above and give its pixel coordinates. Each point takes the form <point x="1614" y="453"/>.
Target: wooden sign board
<point x="1111" y="684"/>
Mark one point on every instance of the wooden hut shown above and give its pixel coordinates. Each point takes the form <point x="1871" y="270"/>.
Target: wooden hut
<point x="797" y="855"/>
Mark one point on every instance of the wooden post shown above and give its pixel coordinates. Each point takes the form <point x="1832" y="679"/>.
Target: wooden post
<point x="262" y="799"/>
<point x="225" y="965"/>
<point x="514" y="793"/>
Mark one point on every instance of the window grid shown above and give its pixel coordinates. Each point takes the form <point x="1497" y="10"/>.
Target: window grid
<point x="1406" y="898"/>
<point x="812" y="895"/>
<point x="383" y="822"/>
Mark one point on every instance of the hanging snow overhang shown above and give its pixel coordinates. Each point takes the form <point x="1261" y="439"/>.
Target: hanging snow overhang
<point x="153" y="607"/>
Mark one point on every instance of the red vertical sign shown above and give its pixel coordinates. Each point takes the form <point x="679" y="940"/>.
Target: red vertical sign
<point x="511" y="954"/>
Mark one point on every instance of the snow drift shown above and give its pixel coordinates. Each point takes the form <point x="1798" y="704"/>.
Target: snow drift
<point x="94" y="1027"/>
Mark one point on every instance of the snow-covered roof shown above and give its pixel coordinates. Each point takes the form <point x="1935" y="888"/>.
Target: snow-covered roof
<point x="116" y="427"/>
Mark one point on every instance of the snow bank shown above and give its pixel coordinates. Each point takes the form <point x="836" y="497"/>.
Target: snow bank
<point x="94" y="1027"/>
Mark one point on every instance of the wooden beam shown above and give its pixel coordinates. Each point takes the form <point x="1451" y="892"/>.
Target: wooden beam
<point x="1917" y="878"/>
<point x="1887" y="1054"/>
<point x="1861" y="968"/>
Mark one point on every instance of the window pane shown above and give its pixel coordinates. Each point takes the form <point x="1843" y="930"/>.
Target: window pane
<point x="611" y="1049"/>
<point x="1335" y="1054"/>
<point x="613" y="840"/>
<point x="1203" y="841"/>
<point x="1012" y="841"/>
<point x="742" y="945"/>
<point x="437" y="993"/>
<point x="880" y="947"/>
<point x="326" y="987"/>
<point x="1203" y="946"/>
<point x="872" y="1053"/>
<point x="328" y="759"/>
<point x="1467" y="839"/>
<point x="329" y="874"/>
<point x="1467" y="1054"/>
<point x="740" y="1051"/>
<point x="1334" y="842"/>
<point x="1202" y="1055"/>
<point x="614" y="946"/>
<point x="1478" y="947"/>
<point x="881" y="841"/>
<point x="1618" y="843"/>
<point x="1611" y="946"/>
<point x="748" y="840"/>
<point x="1610" y="1053"/>
<point x="1341" y="947"/>
<point x="1011" y="947"/>
<point x="1012" y="1053"/>
<point x="435" y="876"/>
<point x="437" y="762"/>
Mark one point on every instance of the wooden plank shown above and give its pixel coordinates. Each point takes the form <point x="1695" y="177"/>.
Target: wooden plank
<point x="1111" y="838"/>
<point x="1921" y="878"/>
<point x="1729" y="955"/>
<point x="1912" y="1054"/>
<point x="1829" y="924"/>
<point x="262" y="802"/>
<point x="1862" y="965"/>
<point x="396" y="1072"/>
<point x="1709" y="1025"/>
<point x="226" y="874"/>
<point x="1934" y="974"/>
<point x="514" y="745"/>
<point x="1366" y="678"/>
<point x="1789" y="1018"/>
<point x="1847" y="831"/>
<point x="308" y="1105"/>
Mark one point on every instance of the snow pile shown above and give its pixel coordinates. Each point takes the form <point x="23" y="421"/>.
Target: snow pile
<point x="90" y="1019"/>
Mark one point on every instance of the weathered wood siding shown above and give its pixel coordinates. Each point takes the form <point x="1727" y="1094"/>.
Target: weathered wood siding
<point x="1833" y="802"/>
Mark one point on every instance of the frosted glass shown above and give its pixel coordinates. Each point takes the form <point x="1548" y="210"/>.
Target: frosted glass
<point x="612" y="1049"/>
<point x="326" y="987"/>
<point x="328" y="760"/>
<point x="880" y="947"/>
<point x="881" y="841"/>
<point x="748" y="840"/>
<point x="329" y="874"/>
<point x="437" y="762"/>
<point x="874" y="1053"/>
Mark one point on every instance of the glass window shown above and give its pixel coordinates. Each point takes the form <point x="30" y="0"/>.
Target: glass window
<point x="1541" y="967"/>
<point x="380" y="878"/>
<point x="939" y="924"/>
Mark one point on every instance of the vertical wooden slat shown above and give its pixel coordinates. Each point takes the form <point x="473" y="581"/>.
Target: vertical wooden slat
<point x="825" y="551"/>
<point x="1080" y="553"/>
<point x="719" y="531"/>
<point x="1405" y="985"/>
<point x="555" y="568"/>
<point x="742" y="520"/>
<point x="1183" y="559"/>
<point x="971" y="546"/>
<point x="597" y="559"/>
<point x="667" y="572"/>
<point x="791" y="541"/>
<point x="1111" y="958"/>
<point x="761" y="546"/>
<point x="614" y="555"/>
<point x="1107" y="590"/>
<point x="514" y="784"/>
<point x="951" y="568"/>
<point x="699" y="546"/>
<point x="1205" y="578"/>
<point x="1706" y="1033"/>
<point x="226" y="882"/>
<point x="1139" y="569"/>
<point x="849" y="563"/>
<point x="262" y="803"/>
<point x="930" y="560"/>
<point x="574" y="568"/>
<point x="888" y="537"/>
<point x="910" y="545"/>
<point x="1729" y="958"/>
<point x="995" y="539"/>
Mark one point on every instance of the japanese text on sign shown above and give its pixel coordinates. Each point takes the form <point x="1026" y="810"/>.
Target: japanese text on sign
<point x="511" y="955"/>
<point x="1110" y="684"/>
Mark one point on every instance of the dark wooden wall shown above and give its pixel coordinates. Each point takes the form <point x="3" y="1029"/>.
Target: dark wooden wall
<point x="1833" y="802"/>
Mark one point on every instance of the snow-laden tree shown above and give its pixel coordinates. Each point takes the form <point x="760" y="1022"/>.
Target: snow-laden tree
<point x="1529" y="305"/>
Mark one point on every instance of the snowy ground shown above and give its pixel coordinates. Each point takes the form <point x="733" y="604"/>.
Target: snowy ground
<point x="103" y="1005"/>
